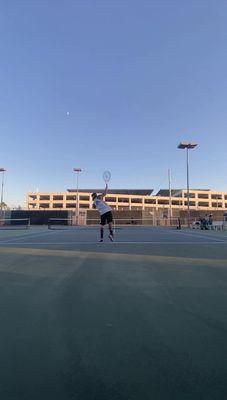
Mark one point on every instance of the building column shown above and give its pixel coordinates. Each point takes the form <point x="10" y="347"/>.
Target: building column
<point x="51" y="201"/>
<point x="64" y="201"/>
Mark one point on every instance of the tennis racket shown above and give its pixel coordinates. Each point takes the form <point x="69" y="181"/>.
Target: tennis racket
<point x="106" y="176"/>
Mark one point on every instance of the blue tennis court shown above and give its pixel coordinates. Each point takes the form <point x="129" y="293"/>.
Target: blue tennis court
<point x="144" y="317"/>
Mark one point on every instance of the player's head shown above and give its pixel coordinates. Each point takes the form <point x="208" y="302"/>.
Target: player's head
<point x="94" y="195"/>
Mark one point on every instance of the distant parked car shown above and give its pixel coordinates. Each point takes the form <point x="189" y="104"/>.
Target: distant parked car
<point x="196" y="225"/>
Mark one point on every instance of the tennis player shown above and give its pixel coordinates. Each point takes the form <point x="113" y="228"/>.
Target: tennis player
<point x="105" y="212"/>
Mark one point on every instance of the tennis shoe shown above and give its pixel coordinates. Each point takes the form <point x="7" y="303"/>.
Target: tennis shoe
<point x="101" y="240"/>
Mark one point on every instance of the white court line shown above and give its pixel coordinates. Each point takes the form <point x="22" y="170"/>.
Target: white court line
<point x="30" y="235"/>
<point x="200" y="235"/>
<point x="110" y="243"/>
<point x="161" y="231"/>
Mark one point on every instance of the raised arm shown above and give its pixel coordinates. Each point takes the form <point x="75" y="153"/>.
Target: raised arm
<point x="105" y="192"/>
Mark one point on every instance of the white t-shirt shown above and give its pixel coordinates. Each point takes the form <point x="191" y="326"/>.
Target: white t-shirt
<point x="101" y="206"/>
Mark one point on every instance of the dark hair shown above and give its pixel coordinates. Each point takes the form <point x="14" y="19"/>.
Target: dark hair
<point x="94" y="195"/>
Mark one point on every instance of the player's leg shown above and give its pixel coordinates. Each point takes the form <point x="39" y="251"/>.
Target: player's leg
<point x="111" y="235"/>
<point x="102" y="223"/>
<point x="110" y="223"/>
<point x="101" y="233"/>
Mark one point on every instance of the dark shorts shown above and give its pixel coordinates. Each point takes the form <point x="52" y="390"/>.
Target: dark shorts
<point x="106" y="218"/>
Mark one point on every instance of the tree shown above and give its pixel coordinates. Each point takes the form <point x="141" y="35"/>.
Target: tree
<point x="3" y="206"/>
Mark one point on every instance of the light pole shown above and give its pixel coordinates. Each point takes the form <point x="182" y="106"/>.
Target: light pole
<point x="170" y="197"/>
<point x="77" y="170"/>
<point x="187" y="146"/>
<point x="3" y="170"/>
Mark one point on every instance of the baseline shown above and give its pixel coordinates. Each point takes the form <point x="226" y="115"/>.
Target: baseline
<point x="113" y="243"/>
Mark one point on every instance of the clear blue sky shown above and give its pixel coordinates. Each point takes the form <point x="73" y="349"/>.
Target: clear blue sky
<point x="137" y="76"/>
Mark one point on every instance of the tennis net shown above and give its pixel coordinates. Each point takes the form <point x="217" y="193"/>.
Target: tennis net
<point x="118" y="223"/>
<point x="14" y="223"/>
<point x="68" y="223"/>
